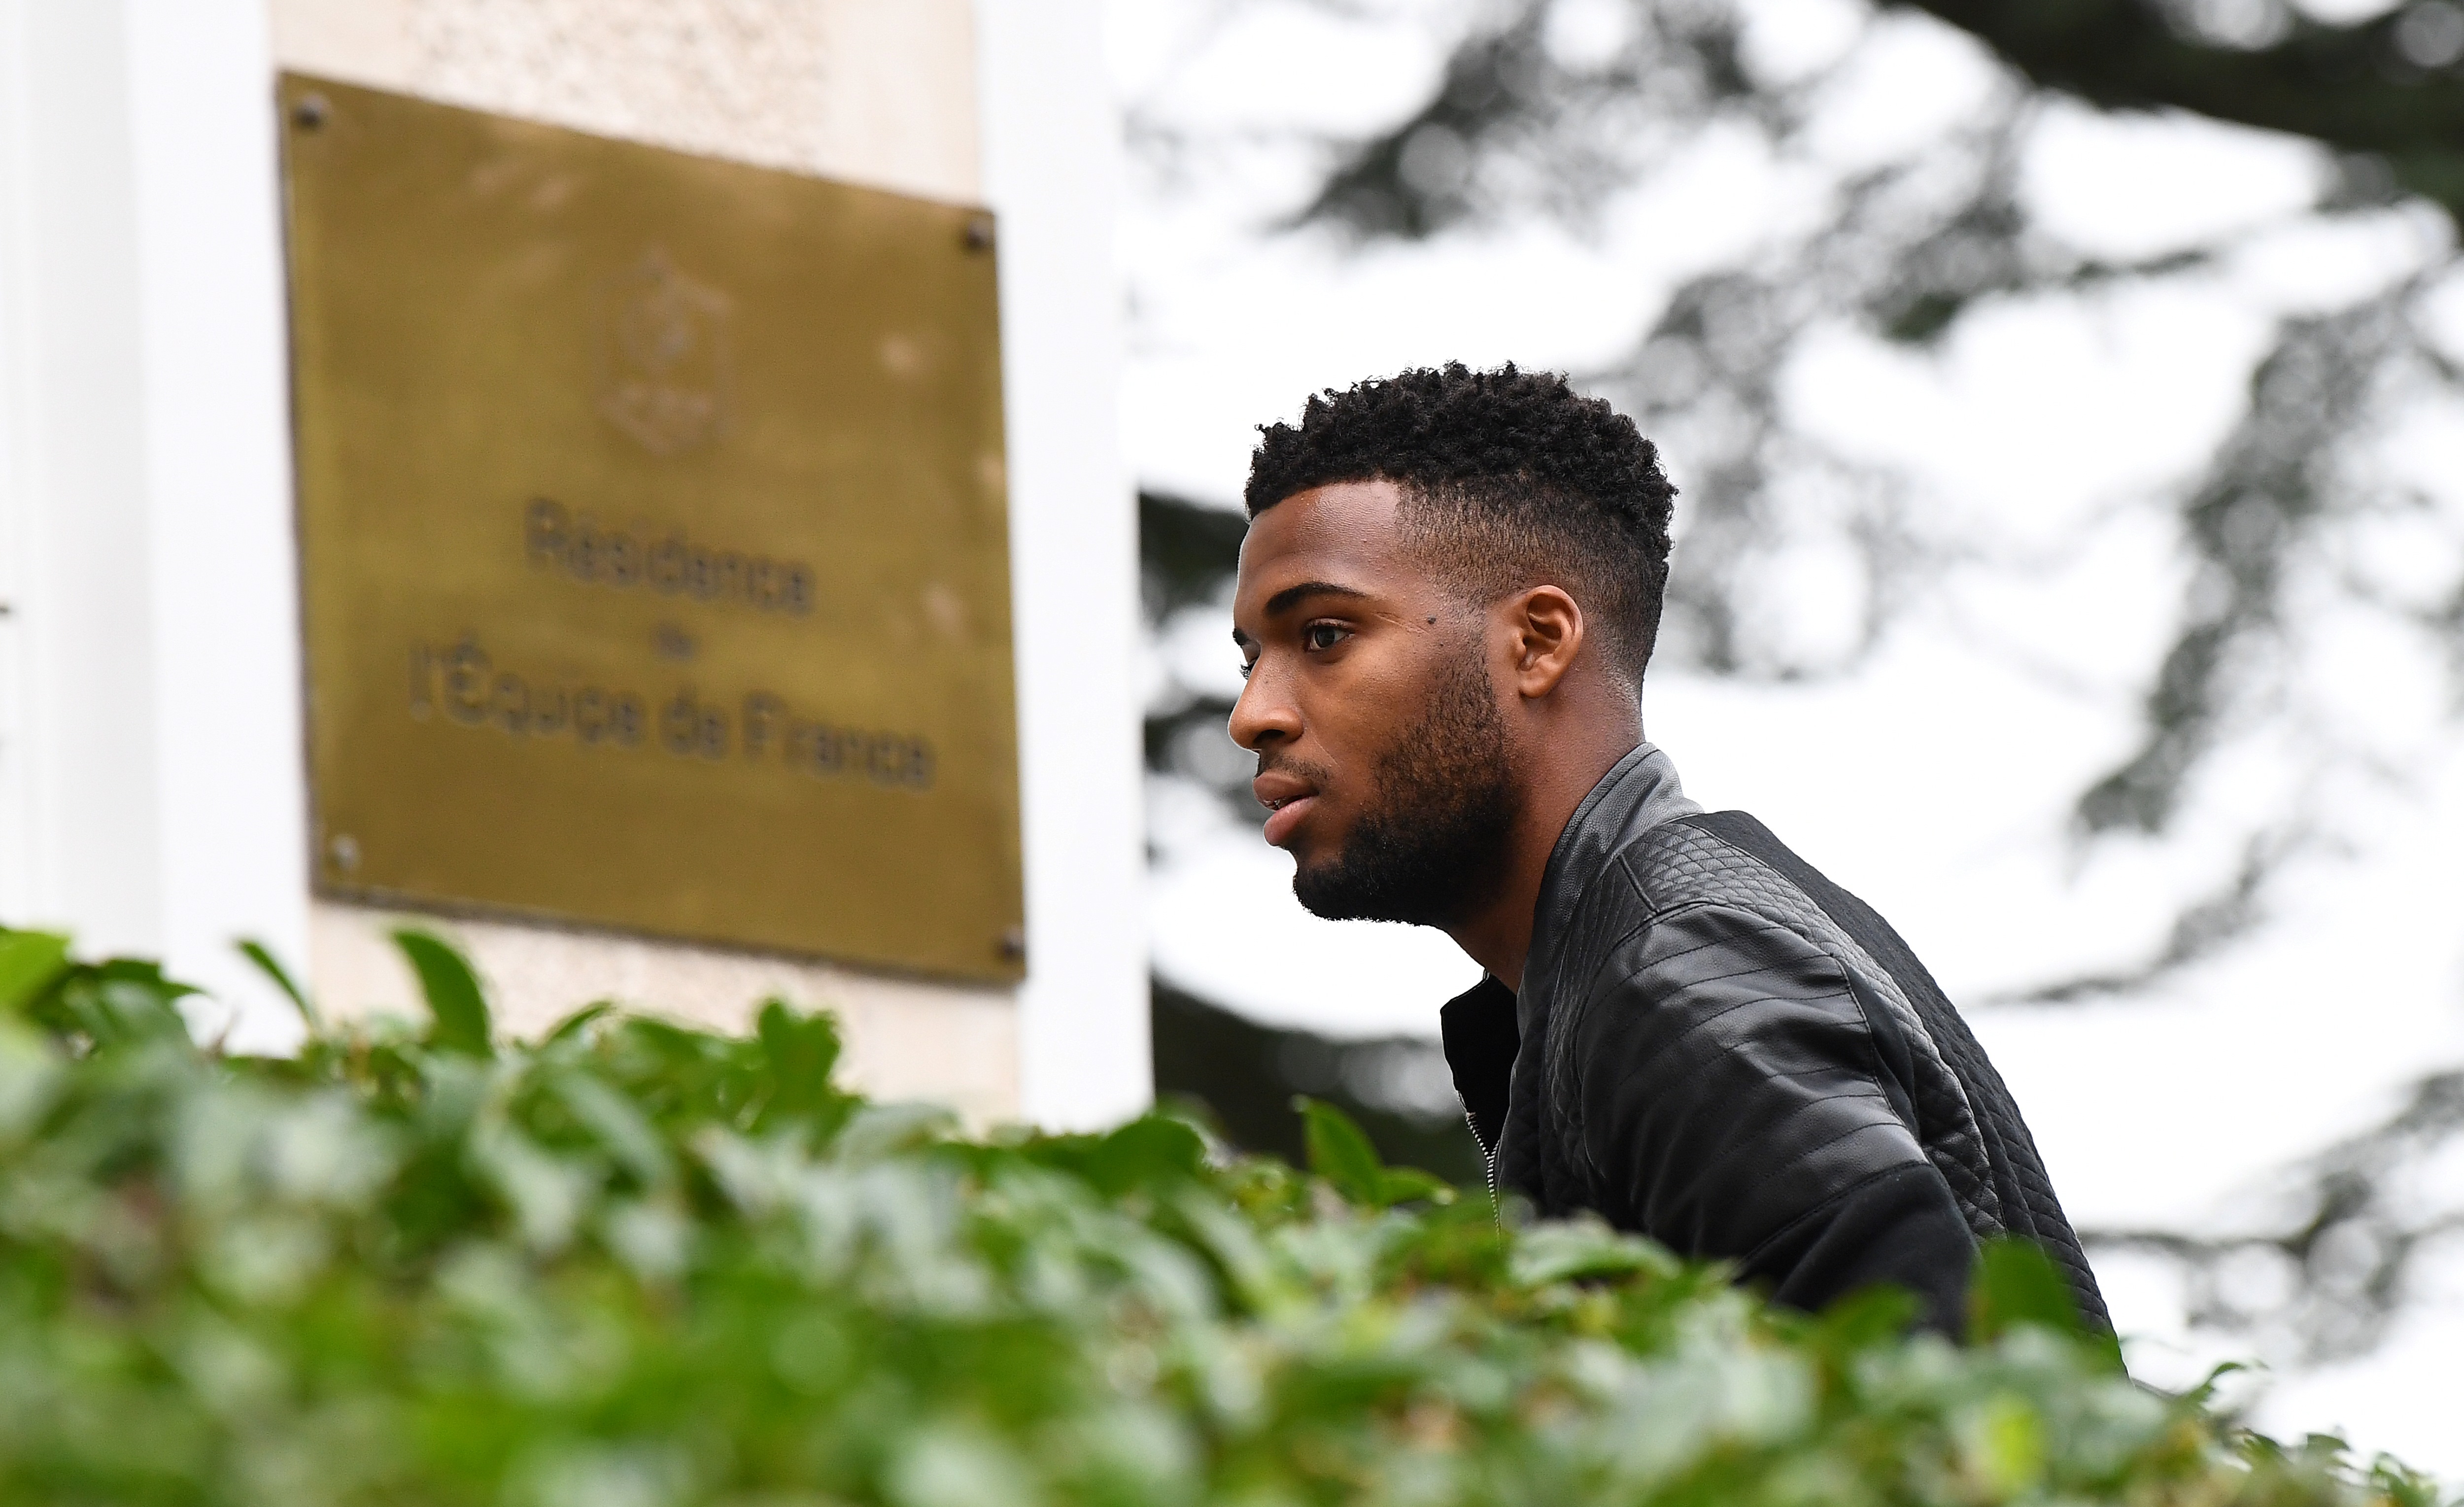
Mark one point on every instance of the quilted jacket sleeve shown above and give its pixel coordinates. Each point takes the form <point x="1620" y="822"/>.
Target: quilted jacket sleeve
<point x="1734" y="1105"/>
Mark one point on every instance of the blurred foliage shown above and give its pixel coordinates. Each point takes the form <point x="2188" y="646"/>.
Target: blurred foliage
<point x="1903" y="249"/>
<point x="1187" y="553"/>
<point x="635" y="1264"/>
<point x="2321" y="1275"/>
<point x="1244" y="1074"/>
<point x="2386" y="85"/>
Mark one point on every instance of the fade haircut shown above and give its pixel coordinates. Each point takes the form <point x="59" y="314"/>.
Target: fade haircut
<point x="1509" y="478"/>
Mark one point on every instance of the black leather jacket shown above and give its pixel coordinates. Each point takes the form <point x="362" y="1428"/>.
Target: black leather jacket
<point x="1717" y="1047"/>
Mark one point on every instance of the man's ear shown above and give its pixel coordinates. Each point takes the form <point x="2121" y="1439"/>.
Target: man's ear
<point x="1547" y="632"/>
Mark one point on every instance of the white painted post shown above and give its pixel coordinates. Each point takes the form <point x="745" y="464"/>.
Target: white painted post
<point x="153" y="766"/>
<point x="216" y="425"/>
<point x="79" y="754"/>
<point x="1052" y="175"/>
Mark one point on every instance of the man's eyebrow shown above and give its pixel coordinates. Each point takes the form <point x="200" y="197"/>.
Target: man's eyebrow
<point x="1291" y="596"/>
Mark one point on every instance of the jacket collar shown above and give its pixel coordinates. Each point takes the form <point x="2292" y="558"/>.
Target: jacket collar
<point x="1639" y="793"/>
<point x="1484" y="1027"/>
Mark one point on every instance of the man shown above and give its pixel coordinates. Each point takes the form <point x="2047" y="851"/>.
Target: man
<point x="1448" y="592"/>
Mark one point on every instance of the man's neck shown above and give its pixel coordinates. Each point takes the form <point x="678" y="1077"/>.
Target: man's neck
<point x="1497" y="934"/>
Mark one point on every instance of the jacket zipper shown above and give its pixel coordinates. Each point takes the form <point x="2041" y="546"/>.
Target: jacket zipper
<point x="1488" y="1165"/>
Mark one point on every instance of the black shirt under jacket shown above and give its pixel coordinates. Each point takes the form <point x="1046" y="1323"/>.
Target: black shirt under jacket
<point x="1720" y="1049"/>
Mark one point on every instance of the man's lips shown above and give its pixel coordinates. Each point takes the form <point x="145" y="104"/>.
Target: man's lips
<point x="1287" y="798"/>
<point x="1284" y="819"/>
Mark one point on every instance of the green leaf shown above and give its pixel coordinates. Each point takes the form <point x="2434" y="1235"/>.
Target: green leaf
<point x="454" y="1001"/>
<point x="1153" y="1152"/>
<point x="1411" y="1186"/>
<point x="800" y="1053"/>
<point x="117" y="1002"/>
<point x="1572" y="1249"/>
<point x="1868" y="1317"/>
<point x="2004" y="1441"/>
<point x="802" y="1048"/>
<point x="2205" y="1393"/>
<point x="619" y="1125"/>
<point x="575" y="1023"/>
<point x="2400" y="1485"/>
<point x="1339" y="1151"/>
<point x="2017" y="1283"/>
<point x="256" y="952"/>
<point x="30" y="962"/>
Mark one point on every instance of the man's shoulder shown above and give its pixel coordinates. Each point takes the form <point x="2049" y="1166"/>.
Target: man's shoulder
<point x="1709" y="857"/>
<point x="1727" y="864"/>
<point x="1710" y="866"/>
<point x="1729" y="859"/>
<point x="1724" y="859"/>
<point x="1727" y="875"/>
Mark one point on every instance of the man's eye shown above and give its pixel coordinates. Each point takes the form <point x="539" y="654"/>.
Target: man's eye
<point x="1322" y="636"/>
<point x="1247" y="665"/>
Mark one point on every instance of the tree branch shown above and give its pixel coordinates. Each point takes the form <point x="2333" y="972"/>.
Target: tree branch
<point x="2347" y="87"/>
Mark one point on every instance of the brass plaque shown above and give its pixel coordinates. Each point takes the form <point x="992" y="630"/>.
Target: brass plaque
<point x="653" y="537"/>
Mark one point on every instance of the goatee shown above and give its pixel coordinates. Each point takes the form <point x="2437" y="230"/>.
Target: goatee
<point x="1435" y="842"/>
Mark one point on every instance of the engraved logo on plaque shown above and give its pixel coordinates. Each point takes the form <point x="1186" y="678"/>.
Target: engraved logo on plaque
<point x="663" y="357"/>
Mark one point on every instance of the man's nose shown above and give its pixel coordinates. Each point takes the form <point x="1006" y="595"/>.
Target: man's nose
<point x="1262" y="714"/>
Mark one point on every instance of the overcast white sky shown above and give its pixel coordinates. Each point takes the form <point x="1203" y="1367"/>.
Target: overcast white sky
<point x="1935" y="780"/>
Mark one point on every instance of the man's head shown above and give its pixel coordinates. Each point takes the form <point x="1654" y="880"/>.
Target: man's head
<point x="1445" y="571"/>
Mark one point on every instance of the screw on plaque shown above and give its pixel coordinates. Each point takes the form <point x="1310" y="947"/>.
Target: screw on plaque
<point x="309" y="112"/>
<point x="1013" y="945"/>
<point x="980" y="232"/>
<point x="346" y="852"/>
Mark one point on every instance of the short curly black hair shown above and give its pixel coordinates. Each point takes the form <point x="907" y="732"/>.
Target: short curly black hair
<point x="1511" y="478"/>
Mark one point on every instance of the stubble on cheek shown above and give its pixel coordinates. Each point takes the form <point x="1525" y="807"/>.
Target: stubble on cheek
<point x="1430" y="812"/>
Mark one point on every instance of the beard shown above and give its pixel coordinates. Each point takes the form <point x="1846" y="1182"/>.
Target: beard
<point x="1434" y="843"/>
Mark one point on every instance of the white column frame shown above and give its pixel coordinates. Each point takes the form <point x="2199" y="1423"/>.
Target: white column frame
<point x="233" y="775"/>
<point x="79" y="632"/>
<point x="1052" y="176"/>
<point x="17" y="864"/>
<point x="157" y="795"/>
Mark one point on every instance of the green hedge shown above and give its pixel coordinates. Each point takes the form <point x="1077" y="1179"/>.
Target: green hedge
<point x="635" y="1264"/>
